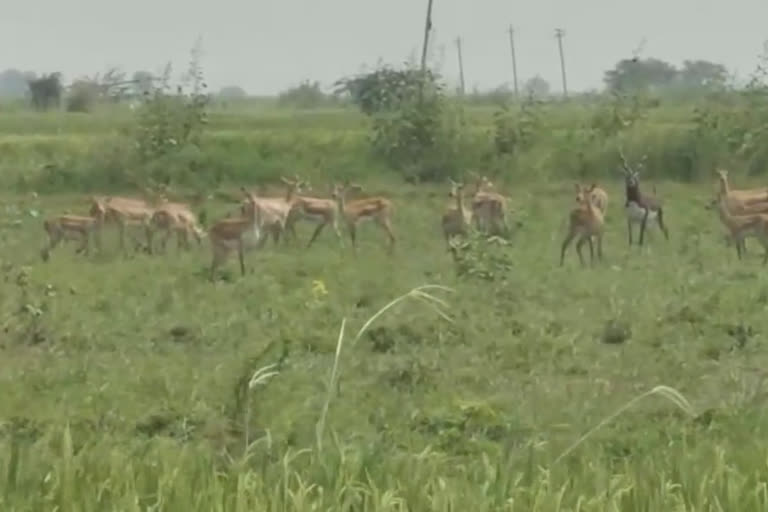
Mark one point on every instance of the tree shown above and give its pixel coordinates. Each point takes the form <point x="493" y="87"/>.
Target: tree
<point x="703" y="74"/>
<point x="232" y="92"/>
<point x="142" y="82"/>
<point x="46" y="91"/>
<point x="640" y="75"/>
<point x="386" y="89"/>
<point x="537" y="87"/>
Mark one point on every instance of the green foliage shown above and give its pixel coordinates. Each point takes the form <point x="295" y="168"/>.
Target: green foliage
<point x="514" y="132"/>
<point x="388" y="89"/>
<point x="170" y="122"/>
<point x="46" y="91"/>
<point x="82" y="96"/>
<point x="644" y="75"/>
<point x="306" y="95"/>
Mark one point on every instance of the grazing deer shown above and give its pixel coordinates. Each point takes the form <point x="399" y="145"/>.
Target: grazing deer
<point x="377" y="209"/>
<point x="276" y="210"/>
<point x="742" y="226"/>
<point x="68" y="227"/>
<point x="457" y="219"/>
<point x="314" y="209"/>
<point x="123" y="211"/>
<point x="640" y="207"/>
<point x="179" y="219"/>
<point x="489" y="208"/>
<point x="236" y="233"/>
<point x="586" y="223"/>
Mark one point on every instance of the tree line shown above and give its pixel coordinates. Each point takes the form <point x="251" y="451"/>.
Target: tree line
<point x="46" y="91"/>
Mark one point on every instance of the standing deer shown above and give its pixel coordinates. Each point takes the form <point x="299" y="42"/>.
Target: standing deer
<point x="457" y="218"/>
<point x="377" y="209"/>
<point x="640" y="207"/>
<point x="586" y="223"/>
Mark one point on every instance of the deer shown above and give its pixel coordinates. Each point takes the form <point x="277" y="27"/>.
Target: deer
<point x="322" y="211"/>
<point x="640" y="207"/>
<point x="179" y="219"/>
<point x="377" y="209"/>
<point x="276" y="210"/>
<point x="585" y="222"/>
<point x="599" y="197"/>
<point x="457" y="219"/>
<point x="742" y="226"/>
<point x="123" y="211"/>
<point x="69" y="227"/>
<point x="489" y="208"/>
<point x="757" y="195"/>
<point x="236" y="233"/>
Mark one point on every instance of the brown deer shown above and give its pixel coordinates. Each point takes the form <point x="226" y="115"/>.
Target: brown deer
<point x="276" y="210"/>
<point x="236" y="233"/>
<point x="68" y="227"/>
<point x="322" y="211"/>
<point x="489" y="208"/>
<point x="742" y="226"/>
<point x="177" y="218"/>
<point x="123" y="211"/>
<point x="586" y="223"/>
<point x="377" y="209"/>
<point x="457" y="218"/>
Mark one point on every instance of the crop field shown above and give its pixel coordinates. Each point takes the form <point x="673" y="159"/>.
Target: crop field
<point x="500" y="381"/>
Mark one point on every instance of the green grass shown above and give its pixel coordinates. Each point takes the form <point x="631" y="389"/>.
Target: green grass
<point x="125" y="376"/>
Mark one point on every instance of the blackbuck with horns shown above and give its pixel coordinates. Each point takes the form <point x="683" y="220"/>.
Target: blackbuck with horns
<point x="640" y="208"/>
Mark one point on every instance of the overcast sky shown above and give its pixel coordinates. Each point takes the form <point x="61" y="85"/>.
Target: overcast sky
<point x="267" y="45"/>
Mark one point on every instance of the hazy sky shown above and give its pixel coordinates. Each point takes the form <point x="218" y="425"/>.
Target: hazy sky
<point x="266" y="45"/>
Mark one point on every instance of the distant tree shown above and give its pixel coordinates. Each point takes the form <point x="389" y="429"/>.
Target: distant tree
<point x="537" y="87"/>
<point x="142" y="82"/>
<point x="82" y="95"/>
<point x="232" y="92"/>
<point x="13" y="84"/>
<point x="305" y="95"/>
<point x="46" y="91"/>
<point x="640" y="75"/>
<point x="386" y="89"/>
<point x="703" y="74"/>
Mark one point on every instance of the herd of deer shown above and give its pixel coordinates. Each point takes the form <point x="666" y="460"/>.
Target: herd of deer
<point x="743" y="212"/>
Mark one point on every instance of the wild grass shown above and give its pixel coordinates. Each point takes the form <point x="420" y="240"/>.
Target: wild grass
<point x="131" y="383"/>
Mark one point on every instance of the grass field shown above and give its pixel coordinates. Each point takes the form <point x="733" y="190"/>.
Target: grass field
<point x="125" y="377"/>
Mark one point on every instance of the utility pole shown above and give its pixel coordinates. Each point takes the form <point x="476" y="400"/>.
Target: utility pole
<point x="461" y="66"/>
<point x="559" y="34"/>
<point x="514" y="59"/>
<point x="427" y="28"/>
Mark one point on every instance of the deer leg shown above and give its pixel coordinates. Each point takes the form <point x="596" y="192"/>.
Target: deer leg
<point x="591" y="251"/>
<point x="317" y="232"/>
<point x="660" y="220"/>
<point x="579" y="245"/>
<point x="241" y="255"/>
<point x="218" y="257"/>
<point x="121" y="233"/>
<point x="83" y="247"/>
<point x="148" y="233"/>
<point x="599" y="237"/>
<point x="564" y="247"/>
<point x="388" y="228"/>
<point x="53" y="240"/>
<point x="643" y="224"/>
<point x="353" y="234"/>
<point x="629" y="231"/>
